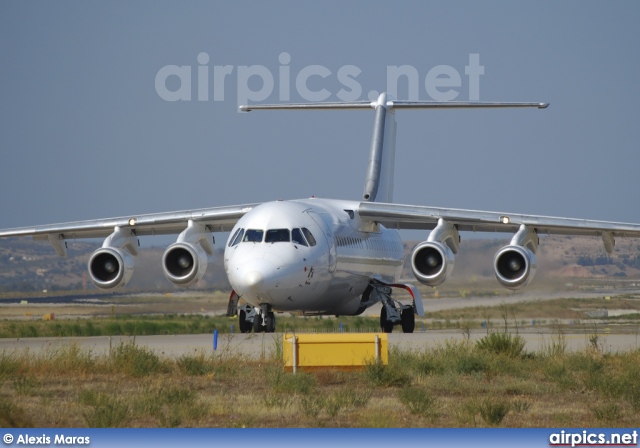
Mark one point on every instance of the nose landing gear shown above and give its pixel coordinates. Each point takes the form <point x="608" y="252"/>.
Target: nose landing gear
<point x="251" y="318"/>
<point x="256" y="319"/>
<point x="264" y="320"/>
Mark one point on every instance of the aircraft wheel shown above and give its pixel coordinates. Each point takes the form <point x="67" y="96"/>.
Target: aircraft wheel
<point x="271" y="323"/>
<point x="245" y="327"/>
<point x="408" y="320"/>
<point x="385" y="325"/>
<point x="257" y="324"/>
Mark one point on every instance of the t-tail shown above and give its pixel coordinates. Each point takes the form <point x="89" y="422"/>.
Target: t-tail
<point x="378" y="185"/>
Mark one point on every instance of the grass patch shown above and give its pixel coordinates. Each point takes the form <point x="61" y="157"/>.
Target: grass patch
<point x="283" y="382"/>
<point x="136" y="361"/>
<point x="195" y="365"/>
<point x="451" y="384"/>
<point x="417" y="400"/>
<point x="105" y="410"/>
<point x="502" y="343"/>
<point x="493" y="411"/>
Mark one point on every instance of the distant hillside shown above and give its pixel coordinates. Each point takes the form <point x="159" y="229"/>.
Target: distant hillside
<point x="27" y="265"/>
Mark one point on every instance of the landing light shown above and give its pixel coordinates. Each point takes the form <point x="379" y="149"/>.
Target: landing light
<point x="505" y="220"/>
<point x="132" y="222"/>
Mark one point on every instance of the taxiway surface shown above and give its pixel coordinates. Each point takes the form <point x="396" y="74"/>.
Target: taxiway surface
<point x="264" y="345"/>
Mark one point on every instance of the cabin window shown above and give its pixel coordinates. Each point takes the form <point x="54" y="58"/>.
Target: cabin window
<point x="277" y="236"/>
<point x="253" y="236"/>
<point x="236" y="238"/>
<point x="297" y="238"/>
<point x="309" y="236"/>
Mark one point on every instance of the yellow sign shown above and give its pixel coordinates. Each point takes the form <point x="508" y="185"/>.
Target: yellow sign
<point x="339" y="350"/>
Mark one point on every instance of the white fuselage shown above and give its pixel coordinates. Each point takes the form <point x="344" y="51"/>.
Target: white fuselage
<point x="312" y="256"/>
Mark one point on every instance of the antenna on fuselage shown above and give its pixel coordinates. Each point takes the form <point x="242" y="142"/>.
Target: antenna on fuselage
<point x="378" y="186"/>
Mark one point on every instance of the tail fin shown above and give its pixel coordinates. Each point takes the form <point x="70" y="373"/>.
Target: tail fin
<point x="378" y="186"/>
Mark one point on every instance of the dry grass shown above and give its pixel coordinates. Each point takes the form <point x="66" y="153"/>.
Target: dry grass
<point x="455" y="384"/>
<point x="564" y="308"/>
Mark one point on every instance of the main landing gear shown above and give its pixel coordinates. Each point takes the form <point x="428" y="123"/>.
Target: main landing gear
<point x="390" y="315"/>
<point x="392" y="312"/>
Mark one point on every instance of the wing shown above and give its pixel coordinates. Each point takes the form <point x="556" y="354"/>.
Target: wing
<point x="417" y="217"/>
<point x="111" y="266"/>
<point x="217" y="219"/>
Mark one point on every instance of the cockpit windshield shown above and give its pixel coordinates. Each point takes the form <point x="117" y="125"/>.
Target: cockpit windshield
<point x="237" y="237"/>
<point x="302" y="236"/>
<point x="253" y="236"/>
<point x="309" y="236"/>
<point x="277" y="236"/>
<point x="297" y="238"/>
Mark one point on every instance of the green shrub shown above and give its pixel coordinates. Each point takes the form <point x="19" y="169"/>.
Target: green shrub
<point x="346" y="399"/>
<point x="354" y="397"/>
<point x="493" y="411"/>
<point x="25" y="385"/>
<point x="392" y="375"/>
<point x="521" y="406"/>
<point x="472" y="363"/>
<point x="277" y="400"/>
<point x="194" y="365"/>
<point x="502" y="343"/>
<point x="280" y="381"/>
<point x="69" y="358"/>
<point x="312" y="405"/>
<point x="12" y="415"/>
<point x="107" y="411"/>
<point x="608" y="412"/>
<point x="417" y="400"/>
<point x="9" y="364"/>
<point x="135" y="361"/>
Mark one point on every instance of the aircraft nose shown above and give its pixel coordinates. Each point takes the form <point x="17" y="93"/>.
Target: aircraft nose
<point x="254" y="280"/>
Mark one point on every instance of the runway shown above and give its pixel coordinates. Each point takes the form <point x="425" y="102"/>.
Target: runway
<point x="256" y="346"/>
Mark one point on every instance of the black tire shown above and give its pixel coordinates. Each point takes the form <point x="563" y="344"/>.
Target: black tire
<point x="257" y="324"/>
<point x="408" y="319"/>
<point x="271" y="323"/>
<point x="385" y="325"/>
<point x="245" y="327"/>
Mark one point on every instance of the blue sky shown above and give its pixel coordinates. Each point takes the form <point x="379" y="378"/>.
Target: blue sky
<point x="84" y="133"/>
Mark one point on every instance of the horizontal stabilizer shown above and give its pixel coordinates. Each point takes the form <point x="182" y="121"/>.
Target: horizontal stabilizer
<point x="390" y="105"/>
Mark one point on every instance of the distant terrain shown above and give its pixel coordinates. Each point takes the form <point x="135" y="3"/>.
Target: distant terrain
<point x="34" y="266"/>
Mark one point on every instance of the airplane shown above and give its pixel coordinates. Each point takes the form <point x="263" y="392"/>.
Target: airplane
<point x="324" y="256"/>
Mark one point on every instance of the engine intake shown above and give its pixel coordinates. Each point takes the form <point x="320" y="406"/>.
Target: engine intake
<point x="432" y="262"/>
<point x="515" y="266"/>
<point x="110" y="267"/>
<point x="184" y="264"/>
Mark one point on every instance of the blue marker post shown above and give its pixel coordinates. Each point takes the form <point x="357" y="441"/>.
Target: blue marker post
<point x="340" y="327"/>
<point x="215" y="339"/>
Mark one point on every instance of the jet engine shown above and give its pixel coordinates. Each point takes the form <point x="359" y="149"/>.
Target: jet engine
<point x="184" y="263"/>
<point x="432" y="262"/>
<point x="514" y="266"/>
<point x="110" y="267"/>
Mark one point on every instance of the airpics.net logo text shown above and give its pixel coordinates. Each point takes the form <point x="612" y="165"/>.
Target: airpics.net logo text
<point x="312" y="83"/>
